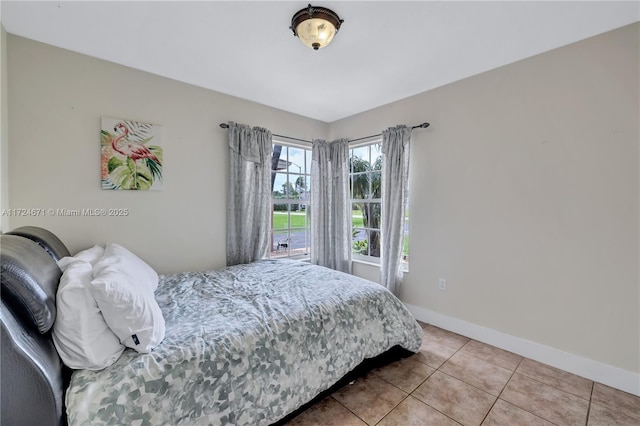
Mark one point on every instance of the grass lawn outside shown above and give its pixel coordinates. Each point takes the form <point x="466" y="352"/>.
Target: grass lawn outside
<point x="357" y="220"/>
<point x="299" y="220"/>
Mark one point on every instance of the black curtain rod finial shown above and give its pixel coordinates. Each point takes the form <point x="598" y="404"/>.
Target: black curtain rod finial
<point x="224" y="125"/>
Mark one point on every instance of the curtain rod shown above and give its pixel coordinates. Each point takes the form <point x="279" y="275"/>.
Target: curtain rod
<point x="418" y="126"/>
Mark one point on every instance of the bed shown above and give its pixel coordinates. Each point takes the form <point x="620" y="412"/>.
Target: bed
<point x="244" y="345"/>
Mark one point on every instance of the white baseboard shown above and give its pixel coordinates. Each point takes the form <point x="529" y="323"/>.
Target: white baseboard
<point x="618" y="378"/>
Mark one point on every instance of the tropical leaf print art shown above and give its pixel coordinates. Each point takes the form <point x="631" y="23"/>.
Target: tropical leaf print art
<point x="131" y="155"/>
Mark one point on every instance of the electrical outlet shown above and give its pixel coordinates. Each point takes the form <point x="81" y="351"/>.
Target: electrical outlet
<point x="442" y="284"/>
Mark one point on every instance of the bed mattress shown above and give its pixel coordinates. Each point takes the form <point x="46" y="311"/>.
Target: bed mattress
<point x="246" y="344"/>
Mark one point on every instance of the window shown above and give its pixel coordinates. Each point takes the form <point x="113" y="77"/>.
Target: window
<point x="291" y="194"/>
<point x="365" y="165"/>
<point x="290" y="188"/>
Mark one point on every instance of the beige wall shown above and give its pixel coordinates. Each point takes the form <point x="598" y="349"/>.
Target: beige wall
<point x="57" y="98"/>
<point x="524" y="196"/>
<point x="524" y="190"/>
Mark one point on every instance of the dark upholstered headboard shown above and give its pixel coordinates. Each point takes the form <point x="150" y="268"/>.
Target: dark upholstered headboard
<point x="33" y="376"/>
<point x="45" y="239"/>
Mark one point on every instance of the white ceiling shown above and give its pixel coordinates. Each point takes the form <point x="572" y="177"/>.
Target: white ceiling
<point x="385" y="50"/>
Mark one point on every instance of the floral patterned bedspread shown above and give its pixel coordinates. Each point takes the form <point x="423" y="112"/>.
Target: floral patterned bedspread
<point x="245" y="345"/>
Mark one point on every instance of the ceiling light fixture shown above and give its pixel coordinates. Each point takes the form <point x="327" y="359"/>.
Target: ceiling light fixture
<point x="315" y="26"/>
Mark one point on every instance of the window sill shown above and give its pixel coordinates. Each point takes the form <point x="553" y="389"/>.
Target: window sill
<point x="405" y="267"/>
<point x="365" y="262"/>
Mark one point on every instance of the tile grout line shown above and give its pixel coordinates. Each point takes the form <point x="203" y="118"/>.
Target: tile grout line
<point x="425" y="403"/>
<point x="449" y="375"/>
<point x="435" y="369"/>
<point x="438" y="370"/>
<point x="510" y="377"/>
<point x="543" y="384"/>
<point x="557" y="388"/>
<point x="593" y="382"/>
<point x="396" y="406"/>
<point x="513" y="373"/>
<point x="505" y="385"/>
<point x="407" y="393"/>
<point x="386" y="381"/>
<point x="593" y="386"/>
<point x="502" y="390"/>
<point x="523" y="358"/>
<point x="457" y="378"/>
<point x="347" y="408"/>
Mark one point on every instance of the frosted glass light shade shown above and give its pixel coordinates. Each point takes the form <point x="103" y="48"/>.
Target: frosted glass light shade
<point x="315" y="26"/>
<point x="316" y="33"/>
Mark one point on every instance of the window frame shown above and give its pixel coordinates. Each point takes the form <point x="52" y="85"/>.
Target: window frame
<point x="304" y="170"/>
<point x="365" y="258"/>
<point x="375" y="260"/>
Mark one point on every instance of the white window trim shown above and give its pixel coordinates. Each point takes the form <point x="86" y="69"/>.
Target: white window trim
<point x="289" y="201"/>
<point x="375" y="261"/>
<point x="360" y="258"/>
<point x="372" y="260"/>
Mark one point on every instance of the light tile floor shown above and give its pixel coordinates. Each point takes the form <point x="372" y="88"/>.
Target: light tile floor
<point x="454" y="380"/>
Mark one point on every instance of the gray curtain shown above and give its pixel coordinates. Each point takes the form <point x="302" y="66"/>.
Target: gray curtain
<point x="395" y="178"/>
<point x="330" y="205"/>
<point x="249" y="197"/>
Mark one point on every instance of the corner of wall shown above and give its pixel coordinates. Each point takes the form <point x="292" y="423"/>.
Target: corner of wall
<point x="4" y="131"/>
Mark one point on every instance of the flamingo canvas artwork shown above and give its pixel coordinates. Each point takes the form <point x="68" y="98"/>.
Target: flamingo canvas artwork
<point x="131" y="155"/>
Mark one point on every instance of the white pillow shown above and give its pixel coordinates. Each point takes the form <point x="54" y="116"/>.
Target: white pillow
<point x="90" y="255"/>
<point x="80" y="334"/>
<point x="123" y="288"/>
<point x="121" y="259"/>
